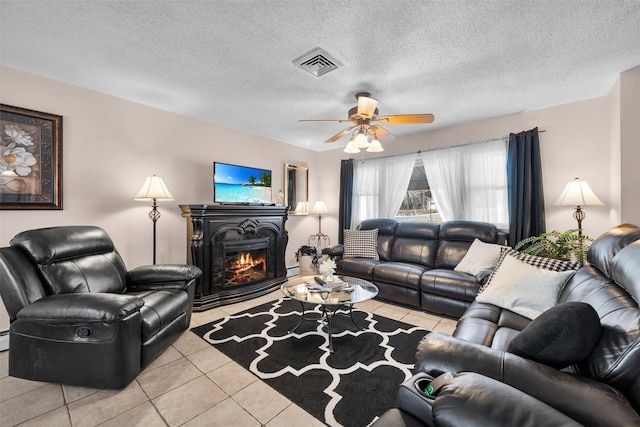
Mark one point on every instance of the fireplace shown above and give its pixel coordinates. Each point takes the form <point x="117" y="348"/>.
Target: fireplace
<point x="240" y="250"/>
<point x="245" y="262"/>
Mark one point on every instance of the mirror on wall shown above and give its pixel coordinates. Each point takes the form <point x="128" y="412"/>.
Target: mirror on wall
<point x="296" y="189"/>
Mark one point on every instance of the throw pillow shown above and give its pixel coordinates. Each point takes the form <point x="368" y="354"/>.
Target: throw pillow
<point x="559" y="337"/>
<point x="361" y="244"/>
<point x="537" y="261"/>
<point x="523" y="288"/>
<point x="479" y="257"/>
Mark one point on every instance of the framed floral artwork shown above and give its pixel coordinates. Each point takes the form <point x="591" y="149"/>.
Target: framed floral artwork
<point x="30" y="159"/>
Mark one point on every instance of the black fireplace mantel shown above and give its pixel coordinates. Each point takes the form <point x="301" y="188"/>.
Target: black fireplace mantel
<point x="211" y="228"/>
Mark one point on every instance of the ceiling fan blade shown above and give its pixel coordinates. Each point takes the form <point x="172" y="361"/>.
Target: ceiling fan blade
<point x="367" y="106"/>
<point x="327" y="121"/>
<point x="340" y="134"/>
<point x="383" y="135"/>
<point x="406" y="119"/>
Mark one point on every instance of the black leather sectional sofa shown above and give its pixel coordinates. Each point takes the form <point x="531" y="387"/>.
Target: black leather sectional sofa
<point x="492" y="386"/>
<point x="417" y="261"/>
<point x="78" y="317"/>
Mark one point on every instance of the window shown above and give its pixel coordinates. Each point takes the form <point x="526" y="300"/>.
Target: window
<point x="464" y="182"/>
<point x="418" y="204"/>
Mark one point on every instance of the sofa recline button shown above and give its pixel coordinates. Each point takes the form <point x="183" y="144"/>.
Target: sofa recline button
<point x="84" y="332"/>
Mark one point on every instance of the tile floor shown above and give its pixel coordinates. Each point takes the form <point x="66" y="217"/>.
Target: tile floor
<point x="191" y="384"/>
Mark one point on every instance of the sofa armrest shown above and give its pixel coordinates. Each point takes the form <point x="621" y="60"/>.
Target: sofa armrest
<point x="585" y="400"/>
<point x="334" y="251"/>
<point x="473" y="399"/>
<point x="81" y="307"/>
<point x="148" y="277"/>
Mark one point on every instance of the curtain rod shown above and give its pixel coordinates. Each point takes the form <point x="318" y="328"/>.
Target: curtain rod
<point x="442" y="147"/>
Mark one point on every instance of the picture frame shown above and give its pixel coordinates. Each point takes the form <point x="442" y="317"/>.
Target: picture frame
<point x="30" y="159"/>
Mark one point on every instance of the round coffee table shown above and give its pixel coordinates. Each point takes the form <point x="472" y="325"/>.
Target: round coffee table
<point x="301" y="289"/>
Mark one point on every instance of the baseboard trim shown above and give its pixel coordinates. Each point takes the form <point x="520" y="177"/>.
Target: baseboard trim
<point x="4" y="340"/>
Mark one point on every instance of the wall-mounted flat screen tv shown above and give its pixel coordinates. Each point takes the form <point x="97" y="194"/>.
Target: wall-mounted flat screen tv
<point x="241" y="184"/>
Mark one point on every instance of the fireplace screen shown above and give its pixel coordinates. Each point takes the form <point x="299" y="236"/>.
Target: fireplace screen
<point x="245" y="266"/>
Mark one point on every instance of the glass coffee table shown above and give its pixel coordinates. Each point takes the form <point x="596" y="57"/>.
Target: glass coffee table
<point x="303" y="289"/>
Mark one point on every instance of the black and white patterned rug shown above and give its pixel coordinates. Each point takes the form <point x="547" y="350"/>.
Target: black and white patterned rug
<point x="350" y="387"/>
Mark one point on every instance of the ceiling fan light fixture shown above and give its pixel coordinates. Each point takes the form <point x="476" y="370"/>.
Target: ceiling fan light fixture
<point x="375" y="147"/>
<point x="367" y="106"/>
<point x="351" y="148"/>
<point x="361" y="140"/>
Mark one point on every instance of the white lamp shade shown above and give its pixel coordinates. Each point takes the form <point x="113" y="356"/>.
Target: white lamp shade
<point x="578" y="193"/>
<point x="361" y="141"/>
<point x="153" y="189"/>
<point x="320" y="208"/>
<point x="375" y="147"/>
<point x="351" y="148"/>
<point x="367" y="106"/>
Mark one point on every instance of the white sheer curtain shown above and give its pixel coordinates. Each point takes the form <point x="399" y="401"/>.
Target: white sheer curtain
<point x="469" y="182"/>
<point x="379" y="186"/>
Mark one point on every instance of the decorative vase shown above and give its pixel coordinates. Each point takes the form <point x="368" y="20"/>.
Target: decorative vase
<point x="306" y="265"/>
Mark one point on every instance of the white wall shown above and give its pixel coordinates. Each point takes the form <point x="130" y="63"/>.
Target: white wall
<point x="111" y="145"/>
<point x="630" y="145"/>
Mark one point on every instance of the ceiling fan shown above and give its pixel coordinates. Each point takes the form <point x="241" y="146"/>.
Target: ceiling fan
<point x="366" y="131"/>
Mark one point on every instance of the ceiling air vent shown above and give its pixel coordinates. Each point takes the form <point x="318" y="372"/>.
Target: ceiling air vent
<point x="317" y="62"/>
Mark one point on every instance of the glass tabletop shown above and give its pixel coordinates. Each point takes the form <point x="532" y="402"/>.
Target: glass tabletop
<point x="300" y="289"/>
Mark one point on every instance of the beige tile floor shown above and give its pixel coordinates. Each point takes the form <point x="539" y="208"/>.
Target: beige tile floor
<point x="191" y="384"/>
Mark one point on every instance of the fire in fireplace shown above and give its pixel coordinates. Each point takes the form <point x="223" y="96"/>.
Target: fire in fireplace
<point x="245" y="261"/>
<point x="245" y="267"/>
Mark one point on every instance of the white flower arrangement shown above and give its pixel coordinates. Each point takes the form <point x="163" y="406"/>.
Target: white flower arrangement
<point x="327" y="267"/>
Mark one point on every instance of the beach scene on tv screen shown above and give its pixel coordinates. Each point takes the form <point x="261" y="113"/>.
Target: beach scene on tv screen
<point x="241" y="184"/>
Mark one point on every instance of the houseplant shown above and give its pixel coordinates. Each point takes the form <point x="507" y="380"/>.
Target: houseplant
<point x="556" y="245"/>
<point x="307" y="257"/>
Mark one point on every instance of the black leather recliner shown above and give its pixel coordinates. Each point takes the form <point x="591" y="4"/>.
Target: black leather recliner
<point x="78" y="317"/>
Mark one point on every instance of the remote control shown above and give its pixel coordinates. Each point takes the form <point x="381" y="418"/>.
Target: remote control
<point x="319" y="281"/>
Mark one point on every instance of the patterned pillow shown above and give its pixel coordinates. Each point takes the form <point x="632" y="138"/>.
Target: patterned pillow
<point x="534" y="260"/>
<point x="361" y="244"/>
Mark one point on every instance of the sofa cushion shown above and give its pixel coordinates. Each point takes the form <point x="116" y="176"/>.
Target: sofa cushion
<point x="625" y="269"/>
<point x="74" y="259"/>
<point x="523" y="288"/>
<point x="449" y="283"/>
<point x="603" y="250"/>
<point x="398" y="273"/>
<point x="361" y="244"/>
<point x="356" y="267"/>
<point x="479" y="257"/>
<point x="415" y="243"/>
<point x="559" y="337"/>
<point x="455" y="238"/>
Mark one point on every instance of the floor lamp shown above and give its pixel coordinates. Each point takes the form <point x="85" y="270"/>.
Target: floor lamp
<point x="578" y="193"/>
<point x="319" y="239"/>
<point x="154" y="190"/>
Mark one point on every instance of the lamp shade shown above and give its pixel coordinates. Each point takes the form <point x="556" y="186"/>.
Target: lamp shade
<point x="367" y="106"/>
<point x="361" y="140"/>
<point x="578" y="193"/>
<point x="351" y="148"/>
<point x="153" y="189"/>
<point x="375" y="147"/>
<point x="320" y="208"/>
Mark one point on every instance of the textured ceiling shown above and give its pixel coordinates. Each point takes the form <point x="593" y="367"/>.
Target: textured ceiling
<point x="230" y="61"/>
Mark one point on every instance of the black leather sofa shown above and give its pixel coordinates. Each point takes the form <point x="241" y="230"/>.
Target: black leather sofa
<point x="491" y="386"/>
<point x="78" y="317"/>
<point x="417" y="261"/>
